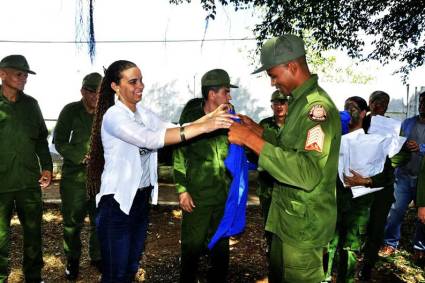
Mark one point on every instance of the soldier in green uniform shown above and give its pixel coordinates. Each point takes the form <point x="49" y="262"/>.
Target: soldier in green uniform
<point x="202" y="182"/>
<point x="72" y="141"/>
<point x="381" y="200"/>
<point x="279" y="105"/>
<point x="303" y="161"/>
<point x="353" y="213"/>
<point x="25" y="166"/>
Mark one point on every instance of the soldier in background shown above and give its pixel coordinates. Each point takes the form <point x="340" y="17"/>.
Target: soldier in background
<point x="72" y="141"/>
<point x="25" y="166"/>
<point x="202" y="182"/>
<point x="279" y="105"/>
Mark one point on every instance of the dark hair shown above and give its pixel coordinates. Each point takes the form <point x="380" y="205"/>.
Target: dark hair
<point x="421" y="94"/>
<point x="361" y="103"/>
<point x="106" y="99"/>
<point x="378" y="94"/>
<point x="206" y="89"/>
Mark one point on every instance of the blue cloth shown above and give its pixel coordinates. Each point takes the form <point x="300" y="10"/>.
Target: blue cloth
<point x="121" y="236"/>
<point x="345" y="121"/>
<point x="233" y="221"/>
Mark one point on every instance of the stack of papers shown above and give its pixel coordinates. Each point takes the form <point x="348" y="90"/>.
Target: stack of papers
<point x="366" y="153"/>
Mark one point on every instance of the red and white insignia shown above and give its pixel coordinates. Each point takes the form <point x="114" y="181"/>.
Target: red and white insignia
<point x="317" y="113"/>
<point x="315" y="139"/>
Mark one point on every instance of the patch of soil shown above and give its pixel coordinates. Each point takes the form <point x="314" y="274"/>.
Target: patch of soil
<point x="160" y="262"/>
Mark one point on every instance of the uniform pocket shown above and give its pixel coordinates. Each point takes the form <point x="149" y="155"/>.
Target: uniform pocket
<point x="296" y="208"/>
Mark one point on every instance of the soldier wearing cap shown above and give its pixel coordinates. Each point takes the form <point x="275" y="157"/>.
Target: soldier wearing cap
<point x="303" y="158"/>
<point x="202" y="182"/>
<point x="25" y="165"/>
<point x="72" y="141"/>
<point x="381" y="200"/>
<point x="279" y="105"/>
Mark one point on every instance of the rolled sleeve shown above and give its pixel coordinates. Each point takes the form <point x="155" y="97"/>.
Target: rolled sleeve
<point x="126" y="129"/>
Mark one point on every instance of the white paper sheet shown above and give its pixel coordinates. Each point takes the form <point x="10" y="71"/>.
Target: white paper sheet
<point x="390" y="128"/>
<point x="364" y="154"/>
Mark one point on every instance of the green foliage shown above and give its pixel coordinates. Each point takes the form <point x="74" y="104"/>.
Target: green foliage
<point x="395" y="26"/>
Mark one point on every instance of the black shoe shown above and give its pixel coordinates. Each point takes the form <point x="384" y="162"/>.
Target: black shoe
<point x="97" y="264"/>
<point x="365" y="272"/>
<point x="72" y="269"/>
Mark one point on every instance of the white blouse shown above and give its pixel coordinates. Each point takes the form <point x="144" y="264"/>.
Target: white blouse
<point x="122" y="136"/>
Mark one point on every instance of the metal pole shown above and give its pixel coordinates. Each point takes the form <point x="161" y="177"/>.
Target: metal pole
<point x="194" y="81"/>
<point x="407" y="106"/>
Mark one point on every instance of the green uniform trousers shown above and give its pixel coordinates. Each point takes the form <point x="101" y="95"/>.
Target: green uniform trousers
<point x="198" y="227"/>
<point x="379" y="209"/>
<point x="291" y="264"/>
<point x="265" y="202"/>
<point x="349" y="237"/>
<point x="75" y="206"/>
<point x="29" y="208"/>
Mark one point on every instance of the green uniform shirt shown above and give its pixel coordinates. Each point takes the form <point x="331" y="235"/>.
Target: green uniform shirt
<point x="305" y="165"/>
<point x="265" y="180"/>
<point x="72" y="140"/>
<point x="23" y="142"/>
<point x="199" y="163"/>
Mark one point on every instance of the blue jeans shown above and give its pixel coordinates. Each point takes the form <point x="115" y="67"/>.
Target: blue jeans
<point x="122" y="237"/>
<point x="404" y="193"/>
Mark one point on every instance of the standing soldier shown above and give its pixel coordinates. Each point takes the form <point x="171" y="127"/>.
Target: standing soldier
<point x="25" y="166"/>
<point x="303" y="161"/>
<point x="72" y="141"/>
<point x="202" y="182"/>
<point x="265" y="180"/>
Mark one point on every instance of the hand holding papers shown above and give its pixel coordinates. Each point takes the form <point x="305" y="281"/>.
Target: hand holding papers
<point x="366" y="153"/>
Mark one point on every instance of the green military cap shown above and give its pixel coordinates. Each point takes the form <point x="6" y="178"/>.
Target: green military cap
<point x="17" y="62"/>
<point x="277" y="95"/>
<point x="92" y="81"/>
<point x="280" y="50"/>
<point x="216" y="77"/>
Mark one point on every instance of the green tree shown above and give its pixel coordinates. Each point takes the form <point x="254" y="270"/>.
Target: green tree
<point x="395" y="26"/>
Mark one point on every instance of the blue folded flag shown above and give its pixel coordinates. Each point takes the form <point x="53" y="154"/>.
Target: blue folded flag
<point x="233" y="221"/>
<point x="345" y="121"/>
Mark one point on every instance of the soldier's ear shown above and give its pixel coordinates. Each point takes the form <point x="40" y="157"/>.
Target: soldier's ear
<point x="2" y="74"/>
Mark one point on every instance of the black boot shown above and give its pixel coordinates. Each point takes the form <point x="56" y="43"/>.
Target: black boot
<point x="97" y="264"/>
<point x="365" y="272"/>
<point x="72" y="269"/>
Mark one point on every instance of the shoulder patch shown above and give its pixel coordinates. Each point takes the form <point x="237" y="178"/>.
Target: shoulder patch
<point x="317" y="113"/>
<point x="315" y="139"/>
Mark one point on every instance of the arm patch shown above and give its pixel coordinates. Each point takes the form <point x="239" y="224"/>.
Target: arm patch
<point x="315" y="139"/>
<point x="317" y="113"/>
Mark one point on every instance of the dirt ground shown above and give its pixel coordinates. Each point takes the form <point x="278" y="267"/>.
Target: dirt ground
<point x="160" y="262"/>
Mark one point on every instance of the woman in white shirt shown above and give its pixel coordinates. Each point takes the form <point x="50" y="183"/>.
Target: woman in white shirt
<point x="122" y="169"/>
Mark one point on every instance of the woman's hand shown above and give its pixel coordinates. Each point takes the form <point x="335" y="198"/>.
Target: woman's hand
<point x="223" y="121"/>
<point x="357" y="180"/>
<point x="221" y="110"/>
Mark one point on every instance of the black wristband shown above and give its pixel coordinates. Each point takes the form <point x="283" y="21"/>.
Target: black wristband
<point x="182" y="136"/>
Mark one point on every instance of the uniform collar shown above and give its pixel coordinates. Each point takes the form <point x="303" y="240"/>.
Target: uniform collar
<point x="305" y="87"/>
<point x="4" y="99"/>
